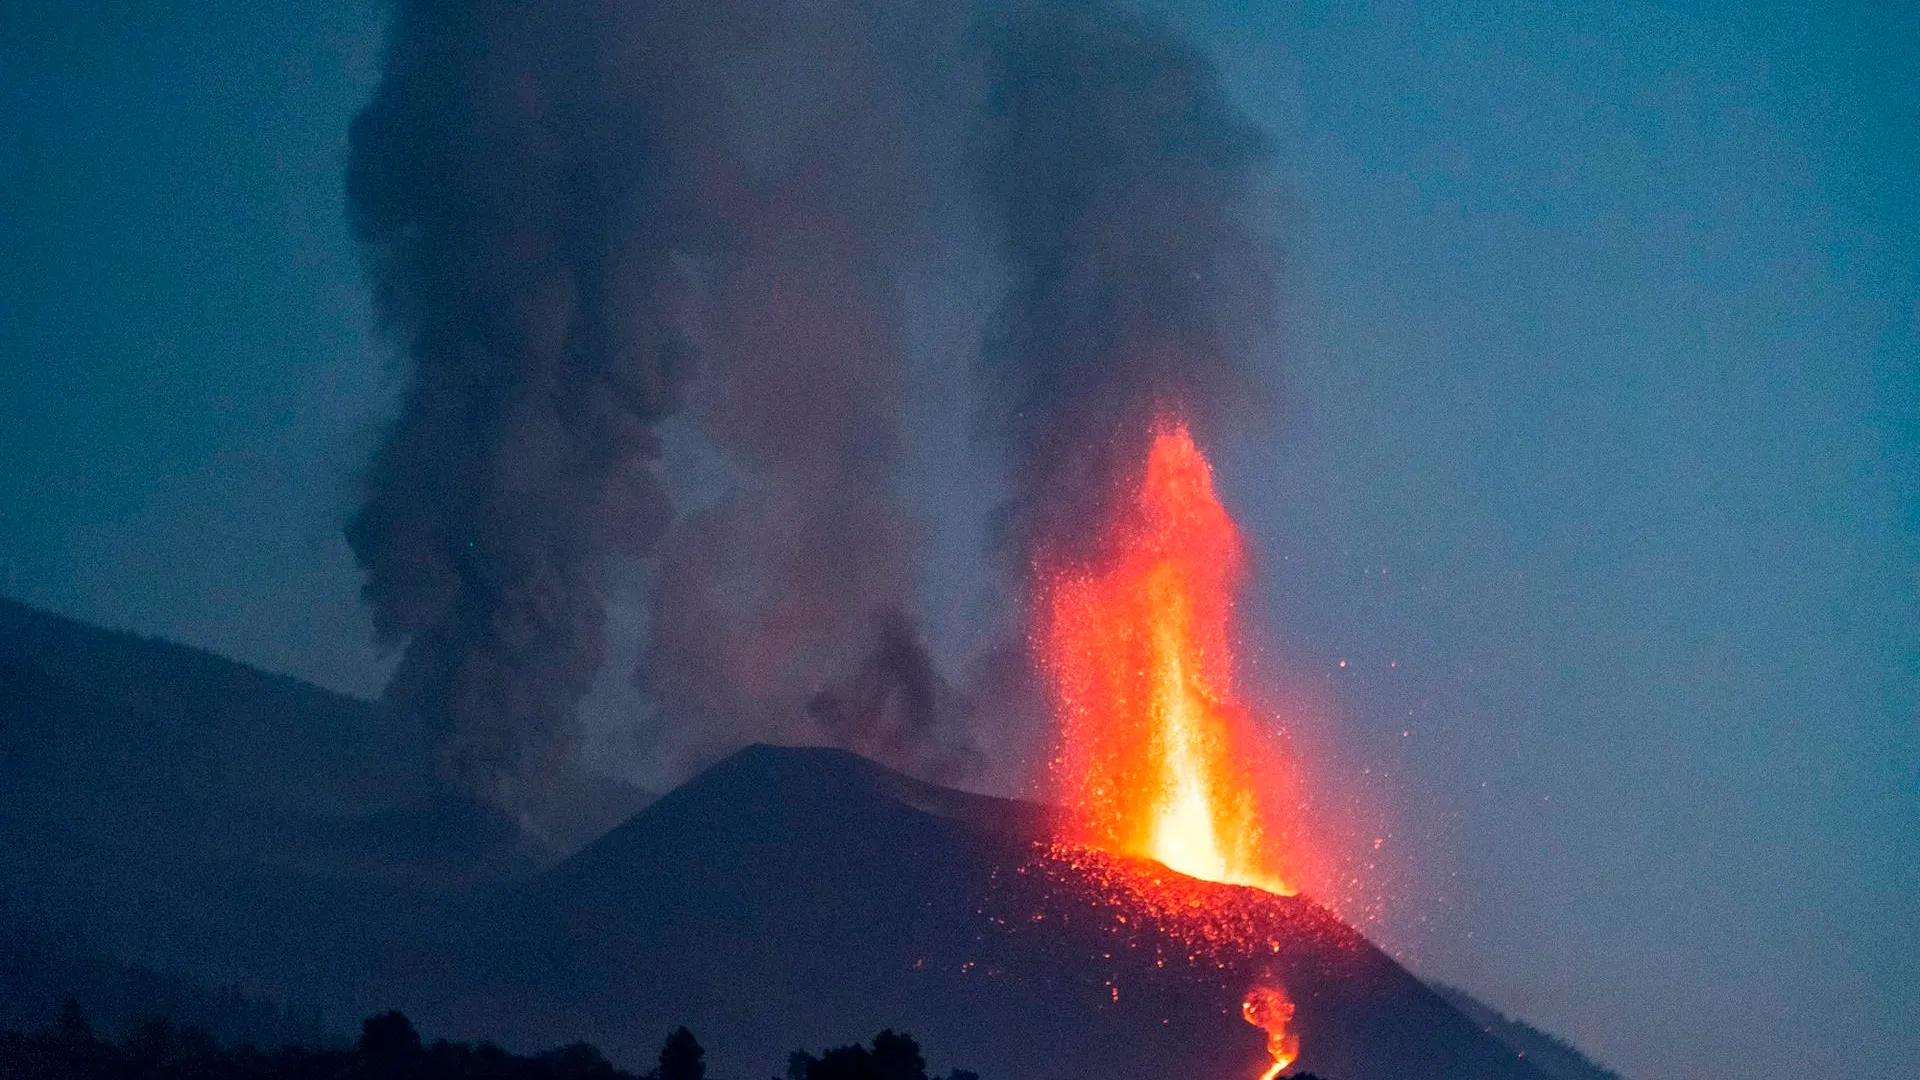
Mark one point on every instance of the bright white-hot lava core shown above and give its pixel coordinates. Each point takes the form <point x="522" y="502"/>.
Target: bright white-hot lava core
<point x="1156" y="758"/>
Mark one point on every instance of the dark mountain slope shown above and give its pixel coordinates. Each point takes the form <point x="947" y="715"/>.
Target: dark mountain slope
<point x="120" y="742"/>
<point x="1548" y="1053"/>
<point x="795" y="897"/>
<point x="170" y="807"/>
<point x="38" y="976"/>
<point x="110" y="733"/>
<point x="134" y="766"/>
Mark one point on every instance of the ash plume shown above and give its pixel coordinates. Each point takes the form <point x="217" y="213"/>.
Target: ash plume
<point x="518" y="214"/>
<point x="579" y="217"/>
<point x="1116" y="179"/>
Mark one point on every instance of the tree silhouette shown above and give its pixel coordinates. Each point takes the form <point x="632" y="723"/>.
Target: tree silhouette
<point x="894" y="1056"/>
<point x="149" y="1046"/>
<point x="73" y="1026"/>
<point x="390" y="1049"/>
<point x="897" y="1057"/>
<point x="389" y="1036"/>
<point x="682" y="1058"/>
<point x="580" y="1061"/>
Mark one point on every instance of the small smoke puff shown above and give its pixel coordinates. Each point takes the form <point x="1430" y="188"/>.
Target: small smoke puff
<point x="896" y="707"/>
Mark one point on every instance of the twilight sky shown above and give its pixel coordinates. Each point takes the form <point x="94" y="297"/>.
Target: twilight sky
<point x="1596" y="461"/>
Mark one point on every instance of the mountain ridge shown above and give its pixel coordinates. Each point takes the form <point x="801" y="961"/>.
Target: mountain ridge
<point x="790" y="897"/>
<point x="787" y="897"/>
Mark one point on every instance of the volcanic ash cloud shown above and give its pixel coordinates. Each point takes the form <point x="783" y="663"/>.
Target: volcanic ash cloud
<point x="579" y="220"/>
<point x="582" y="218"/>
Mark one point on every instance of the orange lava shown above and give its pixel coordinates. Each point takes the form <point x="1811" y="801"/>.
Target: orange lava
<point x="1269" y="1009"/>
<point x="1156" y="757"/>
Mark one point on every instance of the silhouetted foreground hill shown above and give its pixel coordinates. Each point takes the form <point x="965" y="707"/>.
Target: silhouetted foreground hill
<point x="390" y="1049"/>
<point x="113" y="745"/>
<point x="36" y="975"/>
<point x="164" y="805"/>
<point x="243" y="830"/>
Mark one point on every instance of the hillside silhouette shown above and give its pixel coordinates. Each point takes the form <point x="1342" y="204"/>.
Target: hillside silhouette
<point x="237" y="829"/>
<point x="117" y="746"/>
<point x="113" y="745"/>
<point x="390" y="1048"/>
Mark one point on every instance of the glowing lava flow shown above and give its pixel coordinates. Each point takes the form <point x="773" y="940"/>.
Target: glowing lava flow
<point x="1269" y="1009"/>
<point x="1156" y="758"/>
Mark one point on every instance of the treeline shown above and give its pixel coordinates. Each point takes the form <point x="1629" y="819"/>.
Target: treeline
<point x="39" y="967"/>
<point x="390" y="1049"/>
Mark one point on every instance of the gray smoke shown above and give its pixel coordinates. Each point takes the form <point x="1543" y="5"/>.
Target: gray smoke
<point x="1117" y="180"/>
<point x="896" y="706"/>
<point x="518" y="214"/>
<point x="581" y="217"/>
<point x="775" y="588"/>
<point x="573" y="215"/>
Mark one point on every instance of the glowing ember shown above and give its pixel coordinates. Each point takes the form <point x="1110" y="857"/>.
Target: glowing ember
<point x="1269" y="1009"/>
<point x="1157" y="759"/>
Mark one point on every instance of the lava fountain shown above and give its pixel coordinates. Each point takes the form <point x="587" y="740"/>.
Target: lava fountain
<point x="1156" y="758"/>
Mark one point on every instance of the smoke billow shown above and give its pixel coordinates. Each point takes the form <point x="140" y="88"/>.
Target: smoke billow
<point x="566" y="209"/>
<point x="518" y="219"/>
<point x="581" y="218"/>
<point x="1117" y="179"/>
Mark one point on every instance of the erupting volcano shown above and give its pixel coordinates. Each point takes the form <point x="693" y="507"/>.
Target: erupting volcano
<point x="1157" y="759"/>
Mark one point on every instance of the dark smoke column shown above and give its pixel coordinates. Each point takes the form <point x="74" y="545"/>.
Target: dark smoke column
<point x="1117" y="178"/>
<point x="517" y="223"/>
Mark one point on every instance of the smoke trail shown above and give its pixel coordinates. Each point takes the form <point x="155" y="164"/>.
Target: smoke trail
<point x="518" y="217"/>
<point x="1117" y="179"/>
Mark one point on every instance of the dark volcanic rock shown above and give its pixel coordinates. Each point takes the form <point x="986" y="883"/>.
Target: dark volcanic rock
<point x="1550" y="1054"/>
<point x="794" y="898"/>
